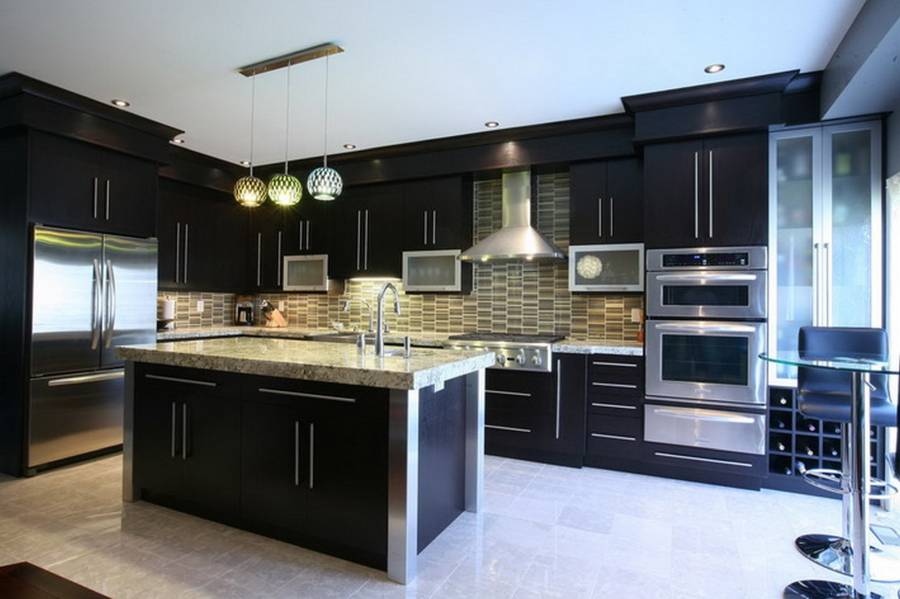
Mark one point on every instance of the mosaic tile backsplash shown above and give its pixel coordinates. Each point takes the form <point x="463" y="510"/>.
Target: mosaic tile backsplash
<point x="506" y="298"/>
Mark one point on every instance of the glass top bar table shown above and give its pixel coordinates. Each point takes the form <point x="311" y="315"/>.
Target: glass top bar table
<point x="860" y="367"/>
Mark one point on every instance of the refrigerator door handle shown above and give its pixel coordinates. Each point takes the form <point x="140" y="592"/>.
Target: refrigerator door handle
<point x="110" y="304"/>
<point x="95" y="306"/>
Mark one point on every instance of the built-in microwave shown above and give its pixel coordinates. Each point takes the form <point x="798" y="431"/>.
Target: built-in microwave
<point x="306" y="273"/>
<point x="607" y="267"/>
<point x="435" y="271"/>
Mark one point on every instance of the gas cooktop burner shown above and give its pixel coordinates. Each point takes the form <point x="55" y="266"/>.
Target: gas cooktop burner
<point x="507" y="338"/>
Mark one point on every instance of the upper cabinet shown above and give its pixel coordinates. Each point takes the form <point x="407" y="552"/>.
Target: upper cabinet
<point x="437" y="214"/>
<point x="606" y="202"/>
<point x="74" y="184"/>
<point x="308" y="227"/>
<point x="367" y="232"/>
<point x="270" y="228"/>
<point x="710" y="192"/>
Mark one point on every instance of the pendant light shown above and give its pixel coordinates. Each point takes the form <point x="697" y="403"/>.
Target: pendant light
<point x="325" y="183"/>
<point x="285" y="189"/>
<point x="250" y="191"/>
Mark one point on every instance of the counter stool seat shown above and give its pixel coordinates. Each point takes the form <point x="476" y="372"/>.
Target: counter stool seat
<point x="836" y="407"/>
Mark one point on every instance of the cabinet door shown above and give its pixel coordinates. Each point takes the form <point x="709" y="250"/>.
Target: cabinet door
<point x="267" y="239"/>
<point x="735" y="200"/>
<point x="158" y="461"/>
<point x="173" y="213"/>
<point x="381" y="243"/>
<point x="211" y="421"/>
<point x="417" y="215"/>
<point x="273" y="470"/>
<point x="64" y="182"/>
<point x="625" y="199"/>
<point x="589" y="204"/>
<point x="128" y="194"/>
<point x="568" y="432"/>
<point x="345" y="248"/>
<point x="345" y="464"/>
<point x="672" y="179"/>
<point x="227" y="263"/>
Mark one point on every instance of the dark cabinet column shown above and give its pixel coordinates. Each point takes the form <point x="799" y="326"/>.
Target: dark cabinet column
<point x="625" y="199"/>
<point x="158" y="446"/>
<point x="672" y="188"/>
<point x="568" y="434"/>
<point x="587" y="204"/>
<point x="736" y="190"/>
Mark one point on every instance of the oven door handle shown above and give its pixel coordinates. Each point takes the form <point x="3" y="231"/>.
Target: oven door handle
<point x="688" y="414"/>
<point x="708" y="277"/>
<point x="706" y="328"/>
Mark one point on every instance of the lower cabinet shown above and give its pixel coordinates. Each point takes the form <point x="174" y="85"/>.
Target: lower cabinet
<point x="615" y="424"/>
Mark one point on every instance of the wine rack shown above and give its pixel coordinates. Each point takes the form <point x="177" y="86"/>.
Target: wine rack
<point x="797" y="443"/>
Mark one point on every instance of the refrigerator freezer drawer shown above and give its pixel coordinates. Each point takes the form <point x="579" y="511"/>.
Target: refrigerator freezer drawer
<point x="741" y="432"/>
<point x="74" y="414"/>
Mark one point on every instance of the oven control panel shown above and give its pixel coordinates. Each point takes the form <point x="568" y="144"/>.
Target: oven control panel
<point x="722" y="258"/>
<point x="710" y="259"/>
<point x="532" y="357"/>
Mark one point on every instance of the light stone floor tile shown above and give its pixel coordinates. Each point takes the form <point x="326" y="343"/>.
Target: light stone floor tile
<point x="546" y="533"/>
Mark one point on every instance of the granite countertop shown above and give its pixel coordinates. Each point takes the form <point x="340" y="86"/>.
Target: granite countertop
<point x="313" y="360"/>
<point x="590" y="346"/>
<point x="435" y="340"/>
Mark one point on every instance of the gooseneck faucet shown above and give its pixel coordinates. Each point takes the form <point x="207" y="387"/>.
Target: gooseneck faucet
<point x="379" y="326"/>
<point x="368" y="306"/>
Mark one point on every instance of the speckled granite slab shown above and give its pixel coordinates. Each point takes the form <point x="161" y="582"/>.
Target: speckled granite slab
<point x="313" y="360"/>
<point x="421" y="339"/>
<point x="571" y="346"/>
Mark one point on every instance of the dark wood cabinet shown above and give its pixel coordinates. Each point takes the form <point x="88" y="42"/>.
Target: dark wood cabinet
<point x="710" y="192"/>
<point x="74" y="184"/>
<point x="437" y="214"/>
<point x="308" y="227"/>
<point x="569" y="411"/>
<point x="268" y="240"/>
<point x="606" y="202"/>
<point x="615" y="421"/>
<point x="188" y="440"/>
<point x="367" y="237"/>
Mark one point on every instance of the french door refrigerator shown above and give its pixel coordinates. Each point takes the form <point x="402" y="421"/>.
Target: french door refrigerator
<point x="90" y="293"/>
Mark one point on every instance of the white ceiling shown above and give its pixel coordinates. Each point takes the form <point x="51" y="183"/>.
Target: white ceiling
<point x="412" y="70"/>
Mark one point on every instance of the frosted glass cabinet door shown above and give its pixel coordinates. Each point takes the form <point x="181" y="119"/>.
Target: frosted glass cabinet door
<point x="793" y="156"/>
<point x="851" y="248"/>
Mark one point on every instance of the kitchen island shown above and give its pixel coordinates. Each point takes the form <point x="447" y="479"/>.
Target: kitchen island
<point x="365" y="457"/>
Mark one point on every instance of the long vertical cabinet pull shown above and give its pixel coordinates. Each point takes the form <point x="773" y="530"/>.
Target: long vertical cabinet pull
<point x="434" y="227"/>
<point x="296" y="453"/>
<point x="817" y="286"/>
<point x="107" y="199"/>
<point x="696" y="195"/>
<point x="599" y="216"/>
<point x="278" y="259"/>
<point x="366" y="245"/>
<point x="425" y="227"/>
<point x="177" y="252"/>
<point x="307" y="234"/>
<point x="358" y="235"/>
<point x="184" y="271"/>
<point x="173" y="429"/>
<point x="96" y="193"/>
<point x="184" y="431"/>
<point x="826" y="258"/>
<point x="312" y="455"/>
<point x="611" y="209"/>
<point x="301" y="236"/>
<point x="710" y="194"/>
<point x="558" y="392"/>
<point x="258" y="259"/>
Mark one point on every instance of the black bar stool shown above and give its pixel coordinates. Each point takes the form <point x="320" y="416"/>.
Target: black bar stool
<point x="826" y="395"/>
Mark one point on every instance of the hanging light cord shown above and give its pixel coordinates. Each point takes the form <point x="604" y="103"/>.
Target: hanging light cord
<point x="252" y="107"/>
<point x="287" y="119"/>
<point x="325" y="143"/>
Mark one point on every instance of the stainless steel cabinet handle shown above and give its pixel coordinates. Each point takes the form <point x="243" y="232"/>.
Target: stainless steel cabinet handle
<point x="614" y="385"/>
<point x="307" y="234"/>
<point x="278" y="260"/>
<point x="87" y="378"/>
<point x="620" y="364"/>
<point x="96" y="193"/>
<point x="614" y="406"/>
<point x="507" y="428"/>
<point x="433" y="227"/>
<point x="312" y="456"/>
<point x="558" y="391"/>
<point x="296" y="453"/>
<point x="366" y="245"/>
<point x="710" y="415"/>
<point x="425" y="227"/>
<point x="107" y="199"/>
<point x="173" y="429"/>
<point x="258" y="259"/>
<point x="184" y="271"/>
<point x="599" y="216"/>
<point x="111" y="299"/>
<point x="696" y="195"/>
<point x="177" y="252"/>
<point x="184" y="430"/>
<point x="301" y="235"/>
<point x="358" y="235"/>
<point x="712" y="277"/>
<point x="306" y="395"/>
<point x="514" y="393"/>
<point x="692" y="458"/>
<point x="97" y="307"/>
<point x="710" y="328"/>
<point x="710" y="194"/>
<point x="611" y="210"/>
<point x="172" y="379"/>
<point x="826" y="257"/>
<point x="614" y="437"/>
<point x="817" y="273"/>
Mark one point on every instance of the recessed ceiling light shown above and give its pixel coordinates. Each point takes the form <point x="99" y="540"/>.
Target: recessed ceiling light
<point x="245" y="163"/>
<point x="492" y="124"/>
<point x="349" y="146"/>
<point x="715" y="68"/>
<point x="120" y="103"/>
<point x="178" y="140"/>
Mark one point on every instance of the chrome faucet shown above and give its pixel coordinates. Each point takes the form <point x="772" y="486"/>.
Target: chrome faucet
<point x="368" y="306"/>
<point x="379" y="327"/>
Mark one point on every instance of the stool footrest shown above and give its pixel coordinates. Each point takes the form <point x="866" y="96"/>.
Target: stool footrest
<point x="832" y="481"/>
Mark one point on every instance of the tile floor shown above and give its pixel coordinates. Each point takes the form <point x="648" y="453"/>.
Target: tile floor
<point x="547" y="532"/>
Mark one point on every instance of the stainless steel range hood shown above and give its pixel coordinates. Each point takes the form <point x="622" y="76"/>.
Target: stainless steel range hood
<point x="516" y="239"/>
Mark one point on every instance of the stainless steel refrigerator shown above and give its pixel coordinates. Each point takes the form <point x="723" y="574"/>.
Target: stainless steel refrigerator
<point x="90" y="293"/>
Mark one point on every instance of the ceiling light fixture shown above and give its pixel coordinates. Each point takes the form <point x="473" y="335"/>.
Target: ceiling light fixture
<point x="249" y="191"/>
<point x="178" y="140"/>
<point x="349" y="146"/>
<point x="120" y="103"/>
<point x="245" y="163"/>
<point x="325" y="183"/>
<point x="492" y="124"/>
<point x="285" y="189"/>
<point x="714" y="68"/>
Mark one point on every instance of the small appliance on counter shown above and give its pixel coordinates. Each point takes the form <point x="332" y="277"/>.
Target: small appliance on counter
<point x="270" y="316"/>
<point x="244" y="313"/>
<point x="166" y="319"/>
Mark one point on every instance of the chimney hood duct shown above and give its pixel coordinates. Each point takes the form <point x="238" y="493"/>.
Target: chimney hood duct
<point x="516" y="239"/>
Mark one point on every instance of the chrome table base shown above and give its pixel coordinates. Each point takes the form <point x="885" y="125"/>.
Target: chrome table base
<point x="822" y="589"/>
<point x="833" y="552"/>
